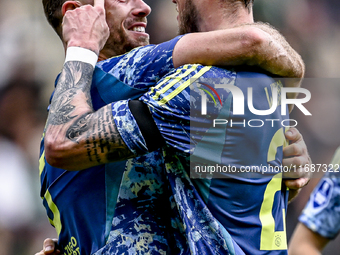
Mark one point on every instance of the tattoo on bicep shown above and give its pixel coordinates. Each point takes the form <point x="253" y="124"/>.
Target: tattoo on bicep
<point x="75" y="78"/>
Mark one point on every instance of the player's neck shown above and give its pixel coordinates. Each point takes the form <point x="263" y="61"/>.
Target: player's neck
<point x="107" y="53"/>
<point x="102" y="57"/>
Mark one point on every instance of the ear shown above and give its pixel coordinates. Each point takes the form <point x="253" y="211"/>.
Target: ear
<point x="70" y="5"/>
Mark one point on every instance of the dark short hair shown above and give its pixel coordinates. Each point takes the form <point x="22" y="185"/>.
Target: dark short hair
<point x="52" y="9"/>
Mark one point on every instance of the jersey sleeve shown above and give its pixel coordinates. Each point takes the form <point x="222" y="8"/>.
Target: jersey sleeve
<point x="173" y="108"/>
<point x="170" y="105"/>
<point x="172" y="120"/>
<point x="128" y="128"/>
<point x="143" y="66"/>
<point x="322" y="212"/>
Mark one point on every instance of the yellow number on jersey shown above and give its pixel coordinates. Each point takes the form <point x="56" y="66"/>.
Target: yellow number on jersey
<point x="271" y="239"/>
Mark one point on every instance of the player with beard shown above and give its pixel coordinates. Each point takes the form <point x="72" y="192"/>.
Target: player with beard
<point x="243" y="202"/>
<point x="94" y="154"/>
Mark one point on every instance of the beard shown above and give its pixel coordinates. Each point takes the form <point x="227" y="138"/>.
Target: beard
<point x="188" y="18"/>
<point x="120" y="42"/>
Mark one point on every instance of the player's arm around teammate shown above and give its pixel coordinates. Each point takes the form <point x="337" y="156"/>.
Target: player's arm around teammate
<point x="257" y="44"/>
<point x="72" y="126"/>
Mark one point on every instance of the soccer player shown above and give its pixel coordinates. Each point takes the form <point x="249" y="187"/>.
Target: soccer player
<point x="252" y="203"/>
<point x="320" y="219"/>
<point x="66" y="211"/>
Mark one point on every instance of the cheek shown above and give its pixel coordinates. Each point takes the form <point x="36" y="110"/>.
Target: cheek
<point x="113" y="19"/>
<point x="110" y="20"/>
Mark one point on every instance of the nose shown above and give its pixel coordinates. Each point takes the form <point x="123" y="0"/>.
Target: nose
<point x="142" y="9"/>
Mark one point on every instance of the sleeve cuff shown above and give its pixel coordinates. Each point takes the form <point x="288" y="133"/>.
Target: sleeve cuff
<point x="82" y="55"/>
<point x="128" y="128"/>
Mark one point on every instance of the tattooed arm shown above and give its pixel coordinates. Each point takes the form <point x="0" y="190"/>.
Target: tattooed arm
<point x="75" y="135"/>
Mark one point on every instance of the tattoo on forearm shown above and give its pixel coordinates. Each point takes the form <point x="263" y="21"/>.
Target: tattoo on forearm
<point x="99" y="132"/>
<point x="78" y="128"/>
<point x="103" y="125"/>
<point x="96" y="131"/>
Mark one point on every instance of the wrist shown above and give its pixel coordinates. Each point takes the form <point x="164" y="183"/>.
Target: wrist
<point x="84" y="44"/>
<point x="82" y="55"/>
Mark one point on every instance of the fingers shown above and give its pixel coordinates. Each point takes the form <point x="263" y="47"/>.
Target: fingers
<point x="296" y="172"/>
<point x="293" y="150"/>
<point x="296" y="162"/>
<point x="85" y="26"/>
<point x="99" y="6"/>
<point x="297" y="183"/>
<point x="296" y="145"/>
<point x="49" y="245"/>
<point x="293" y="134"/>
<point x="296" y="158"/>
<point x="295" y="154"/>
<point x="99" y="3"/>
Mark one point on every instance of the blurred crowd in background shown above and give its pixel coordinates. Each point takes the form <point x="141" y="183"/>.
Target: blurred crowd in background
<point x="31" y="55"/>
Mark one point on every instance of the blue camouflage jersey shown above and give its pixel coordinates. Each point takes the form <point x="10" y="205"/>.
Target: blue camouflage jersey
<point x="85" y="206"/>
<point x="132" y="206"/>
<point x="322" y="212"/>
<point x="201" y="122"/>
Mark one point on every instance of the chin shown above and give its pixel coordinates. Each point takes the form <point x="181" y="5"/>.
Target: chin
<point x="142" y="41"/>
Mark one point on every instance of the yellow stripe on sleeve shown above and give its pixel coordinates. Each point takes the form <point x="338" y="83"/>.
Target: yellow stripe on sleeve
<point x="56" y="214"/>
<point x="42" y="163"/>
<point x="175" y="79"/>
<point x="183" y="86"/>
<point x="164" y="81"/>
